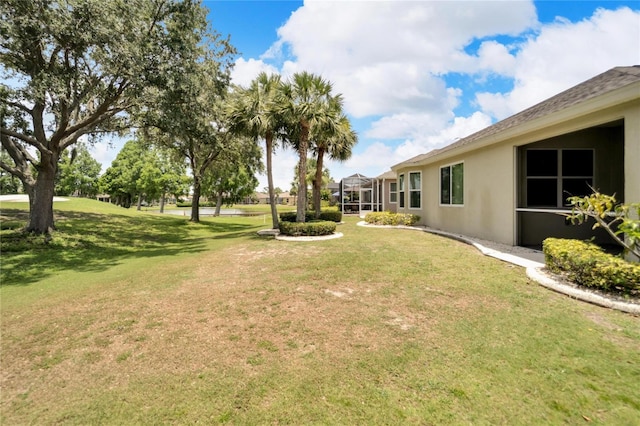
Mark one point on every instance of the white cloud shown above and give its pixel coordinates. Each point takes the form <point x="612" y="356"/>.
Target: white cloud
<point x="245" y="71"/>
<point x="388" y="57"/>
<point x="564" y="54"/>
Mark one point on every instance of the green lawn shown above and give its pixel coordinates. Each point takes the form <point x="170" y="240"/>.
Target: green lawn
<point x="129" y="317"/>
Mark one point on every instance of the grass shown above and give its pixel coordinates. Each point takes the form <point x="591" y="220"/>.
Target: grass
<point x="134" y="318"/>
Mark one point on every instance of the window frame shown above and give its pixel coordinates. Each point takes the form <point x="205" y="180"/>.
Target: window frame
<point x="401" y="202"/>
<point x="414" y="190"/>
<point x="451" y="197"/>
<point x="393" y="192"/>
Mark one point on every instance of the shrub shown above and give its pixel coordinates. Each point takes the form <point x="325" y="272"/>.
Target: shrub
<point x="329" y="215"/>
<point x="314" y="228"/>
<point x="394" y="219"/>
<point x="588" y="265"/>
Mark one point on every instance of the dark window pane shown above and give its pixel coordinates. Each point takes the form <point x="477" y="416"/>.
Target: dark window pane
<point x="445" y="185"/>
<point x="401" y="201"/>
<point x="542" y="162"/>
<point x="457" y="187"/>
<point x="542" y="193"/>
<point x="575" y="188"/>
<point x="577" y="162"/>
<point x="414" y="201"/>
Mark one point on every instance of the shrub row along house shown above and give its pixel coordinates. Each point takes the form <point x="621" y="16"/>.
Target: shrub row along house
<point x="509" y="182"/>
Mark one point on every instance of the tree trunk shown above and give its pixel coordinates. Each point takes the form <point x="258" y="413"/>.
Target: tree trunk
<point x="41" y="196"/>
<point x="218" y="204"/>
<point x="317" y="183"/>
<point x="303" y="147"/>
<point x="195" y="202"/>
<point x="139" y="202"/>
<point x="162" y="198"/>
<point x="272" y="198"/>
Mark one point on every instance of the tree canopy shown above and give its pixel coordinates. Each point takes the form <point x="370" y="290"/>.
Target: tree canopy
<point x="74" y="68"/>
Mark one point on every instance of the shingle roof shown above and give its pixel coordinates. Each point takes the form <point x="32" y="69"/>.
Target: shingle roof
<point x="387" y="175"/>
<point x="608" y="81"/>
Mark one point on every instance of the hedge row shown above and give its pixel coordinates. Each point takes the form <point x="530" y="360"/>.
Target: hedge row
<point x="314" y="228"/>
<point x="329" y="215"/>
<point x="394" y="219"/>
<point x="588" y="265"/>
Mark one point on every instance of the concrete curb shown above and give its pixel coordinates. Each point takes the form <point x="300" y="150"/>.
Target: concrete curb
<point x="534" y="270"/>
<point x="303" y="238"/>
<point x="544" y="279"/>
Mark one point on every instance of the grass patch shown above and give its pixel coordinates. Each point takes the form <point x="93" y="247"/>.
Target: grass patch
<point x="138" y="318"/>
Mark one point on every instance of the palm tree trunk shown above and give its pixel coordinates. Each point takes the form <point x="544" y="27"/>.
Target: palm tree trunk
<point x="303" y="147"/>
<point x="317" y="183"/>
<point x="272" y="199"/>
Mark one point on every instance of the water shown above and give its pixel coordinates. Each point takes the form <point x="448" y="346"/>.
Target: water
<point x="206" y="211"/>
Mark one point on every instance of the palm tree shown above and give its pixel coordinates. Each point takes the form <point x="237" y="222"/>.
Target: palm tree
<point x="306" y="104"/>
<point x="337" y="141"/>
<point x="254" y="114"/>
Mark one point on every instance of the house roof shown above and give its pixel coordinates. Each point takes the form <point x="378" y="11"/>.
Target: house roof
<point x="387" y="175"/>
<point x="599" y="85"/>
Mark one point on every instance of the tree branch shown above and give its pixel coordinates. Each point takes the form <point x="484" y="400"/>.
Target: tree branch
<point x="26" y="139"/>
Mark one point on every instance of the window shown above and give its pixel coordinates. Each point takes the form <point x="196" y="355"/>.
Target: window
<point x="415" y="185"/>
<point x="393" y="192"/>
<point x="452" y="184"/>
<point x="553" y="175"/>
<point x="401" y="184"/>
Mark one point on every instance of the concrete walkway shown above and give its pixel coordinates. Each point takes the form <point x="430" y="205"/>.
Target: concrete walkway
<point x="533" y="261"/>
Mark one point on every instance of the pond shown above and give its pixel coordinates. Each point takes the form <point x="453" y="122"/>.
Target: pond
<point x="211" y="211"/>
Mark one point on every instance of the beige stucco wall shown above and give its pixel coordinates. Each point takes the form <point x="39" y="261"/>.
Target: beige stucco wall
<point x="488" y="209"/>
<point x="632" y="154"/>
<point x="490" y="177"/>
<point x="386" y="195"/>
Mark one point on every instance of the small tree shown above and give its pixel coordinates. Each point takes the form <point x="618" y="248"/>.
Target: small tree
<point x="78" y="173"/>
<point x="609" y="215"/>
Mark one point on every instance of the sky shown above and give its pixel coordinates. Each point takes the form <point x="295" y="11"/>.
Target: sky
<point x="418" y="75"/>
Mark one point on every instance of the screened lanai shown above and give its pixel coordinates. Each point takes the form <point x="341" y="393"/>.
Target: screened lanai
<point x="359" y="194"/>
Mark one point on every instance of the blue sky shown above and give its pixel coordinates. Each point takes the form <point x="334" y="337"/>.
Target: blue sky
<point x="417" y="75"/>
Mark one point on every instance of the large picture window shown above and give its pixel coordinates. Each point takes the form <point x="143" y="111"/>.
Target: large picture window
<point x="452" y="184"/>
<point x="415" y="186"/>
<point x="553" y="175"/>
<point x="401" y="190"/>
<point x="393" y="192"/>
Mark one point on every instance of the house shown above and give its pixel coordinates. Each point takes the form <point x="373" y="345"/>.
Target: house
<point x="281" y="198"/>
<point x="362" y="194"/>
<point x="509" y="182"/>
<point x="387" y="191"/>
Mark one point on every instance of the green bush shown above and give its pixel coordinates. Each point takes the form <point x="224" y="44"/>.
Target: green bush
<point x="588" y="265"/>
<point x="314" y="228"/>
<point x="329" y="215"/>
<point x="393" y="219"/>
